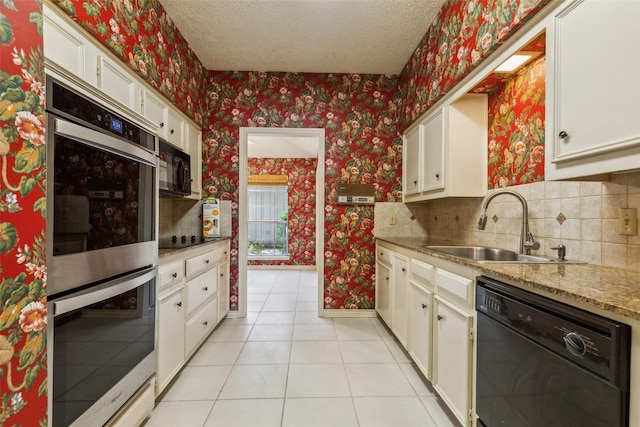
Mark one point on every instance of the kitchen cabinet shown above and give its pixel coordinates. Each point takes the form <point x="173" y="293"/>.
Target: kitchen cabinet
<point x="450" y="146"/>
<point x="170" y="347"/>
<point x="421" y="314"/>
<point x="411" y="162"/>
<point x="431" y="312"/>
<point x="193" y="298"/>
<point x="383" y="283"/>
<point x="193" y="140"/>
<point x="223" y="289"/>
<point x="400" y="298"/>
<point x="73" y="55"/>
<point x="114" y="80"/>
<point x="593" y="89"/>
<point x="453" y="330"/>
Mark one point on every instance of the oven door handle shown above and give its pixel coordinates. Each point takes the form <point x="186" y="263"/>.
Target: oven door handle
<point x="104" y="142"/>
<point x="104" y="291"/>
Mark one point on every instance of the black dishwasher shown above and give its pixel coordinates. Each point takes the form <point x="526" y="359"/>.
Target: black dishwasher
<point x="543" y="363"/>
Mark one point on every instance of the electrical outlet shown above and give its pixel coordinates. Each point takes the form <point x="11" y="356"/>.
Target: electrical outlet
<point x="392" y="219"/>
<point x="628" y="221"/>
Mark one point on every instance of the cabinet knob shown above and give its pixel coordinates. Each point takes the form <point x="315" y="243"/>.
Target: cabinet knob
<point x="206" y="288"/>
<point x="563" y="134"/>
<point x="205" y="323"/>
<point x="221" y="274"/>
<point x="206" y="261"/>
<point x="415" y="182"/>
<point x="162" y="124"/>
<point x="171" y="131"/>
<point x="386" y="278"/>
<point x="381" y="253"/>
<point x="179" y="303"/>
<point x="404" y="269"/>
<point x="424" y="306"/>
<point x="174" y="275"/>
<point x="437" y="176"/>
<point x="440" y="317"/>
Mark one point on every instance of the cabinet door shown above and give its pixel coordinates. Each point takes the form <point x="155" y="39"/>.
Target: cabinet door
<point x="116" y="82"/>
<point x="154" y="109"/>
<point x="175" y="129"/>
<point x="223" y="290"/>
<point x="170" y="347"/>
<point x="411" y="161"/>
<point x="400" y="299"/>
<point x="433" y="135"/>
<point x="63" y="45"/>
<point x="383" y="292"/>
<point x="420" y="310"/>
<point x="452" y="358"/>
<point x="194" y="148"/>
<point x="597" y="64"/>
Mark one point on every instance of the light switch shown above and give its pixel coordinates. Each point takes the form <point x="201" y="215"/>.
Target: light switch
<point x="628" y="221"/>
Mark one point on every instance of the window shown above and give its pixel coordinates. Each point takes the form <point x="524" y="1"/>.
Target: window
<point x="268" y="207"/>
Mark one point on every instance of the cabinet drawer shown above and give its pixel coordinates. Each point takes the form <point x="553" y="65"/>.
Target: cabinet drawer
<point x="453" y="285"/>
<point x="200" y="263"/>
<point x="383" y="255"/>
<point x="201" y="289"/>
<point x="197" y="328"/>
<point x="170" y="273"/>
<point x="422" y="273"/>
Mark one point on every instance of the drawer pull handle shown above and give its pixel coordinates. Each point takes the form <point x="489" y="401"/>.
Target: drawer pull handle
<point x="174" y="275"/>
<point x="440" y="317"/>
<point x="206" y="288"/>
<point x="563" y="135"/>
<point x="206" y="261"/>
<point x="179" y="303"/>
<point x="424" y="306"/>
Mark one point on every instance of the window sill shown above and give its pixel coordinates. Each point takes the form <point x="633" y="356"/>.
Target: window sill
<point x="268" y="258"/>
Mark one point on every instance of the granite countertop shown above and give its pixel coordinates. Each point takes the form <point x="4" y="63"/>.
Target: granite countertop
<point x="167" y="251"/>
<point x="607" y="288"/>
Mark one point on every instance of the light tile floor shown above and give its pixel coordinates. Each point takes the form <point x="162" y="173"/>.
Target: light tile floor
<point x="283" y="366"/>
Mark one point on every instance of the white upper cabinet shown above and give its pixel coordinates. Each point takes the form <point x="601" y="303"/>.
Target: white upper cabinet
<point x="175" y="129"/>
<point x="193" y="142"/>
<point x="593" y="114"/>
<point x="411" y="165"/>
<point x="154" y="109"/>
<point x="451" y="147"/>
<point x="64" y="46"/>
<point x="433" y="155"/>
<point x="116" y="81"/>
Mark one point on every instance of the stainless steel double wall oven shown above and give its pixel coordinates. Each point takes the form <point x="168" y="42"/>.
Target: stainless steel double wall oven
<point x="101" y="254"/>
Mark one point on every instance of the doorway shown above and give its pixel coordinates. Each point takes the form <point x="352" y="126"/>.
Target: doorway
<point x="283" y="143"/>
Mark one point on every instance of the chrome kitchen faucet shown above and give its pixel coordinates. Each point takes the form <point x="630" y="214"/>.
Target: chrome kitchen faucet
<point x="527" y="242"/>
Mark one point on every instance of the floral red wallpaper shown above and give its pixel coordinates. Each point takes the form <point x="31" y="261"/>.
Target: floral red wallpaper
<point x="359" y="114"/>
<point x="516" y="128"/>
<point x="462" y="35"/>
<point x="301" y="224"/>
<point x="23" y="275"/>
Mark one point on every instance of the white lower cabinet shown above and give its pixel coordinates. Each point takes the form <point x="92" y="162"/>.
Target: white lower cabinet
<point x="193" y="298"/>
<point x="170" y="347"/>
<point x="420" y="344"/>
<point x="428" y="303"/>
<point x="400" y="298"/>
<point x="452" y="357"/>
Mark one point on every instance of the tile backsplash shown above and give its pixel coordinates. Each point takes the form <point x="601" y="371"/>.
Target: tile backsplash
<point x="582" y="215"/>
<point x="183" y="217"/>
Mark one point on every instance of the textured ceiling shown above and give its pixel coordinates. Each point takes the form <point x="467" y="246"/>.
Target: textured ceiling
<point x="317" y="36"/>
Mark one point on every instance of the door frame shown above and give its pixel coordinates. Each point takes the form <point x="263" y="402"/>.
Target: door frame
<point x="243" y="232"/>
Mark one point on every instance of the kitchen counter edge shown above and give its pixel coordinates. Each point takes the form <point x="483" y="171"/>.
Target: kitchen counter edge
<point x="611" y="289"/>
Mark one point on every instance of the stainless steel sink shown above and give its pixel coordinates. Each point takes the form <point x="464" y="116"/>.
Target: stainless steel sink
<point x="495" y="255"/>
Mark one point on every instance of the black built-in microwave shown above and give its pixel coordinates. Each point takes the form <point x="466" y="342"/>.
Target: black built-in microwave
<point x="174" y="171"/>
